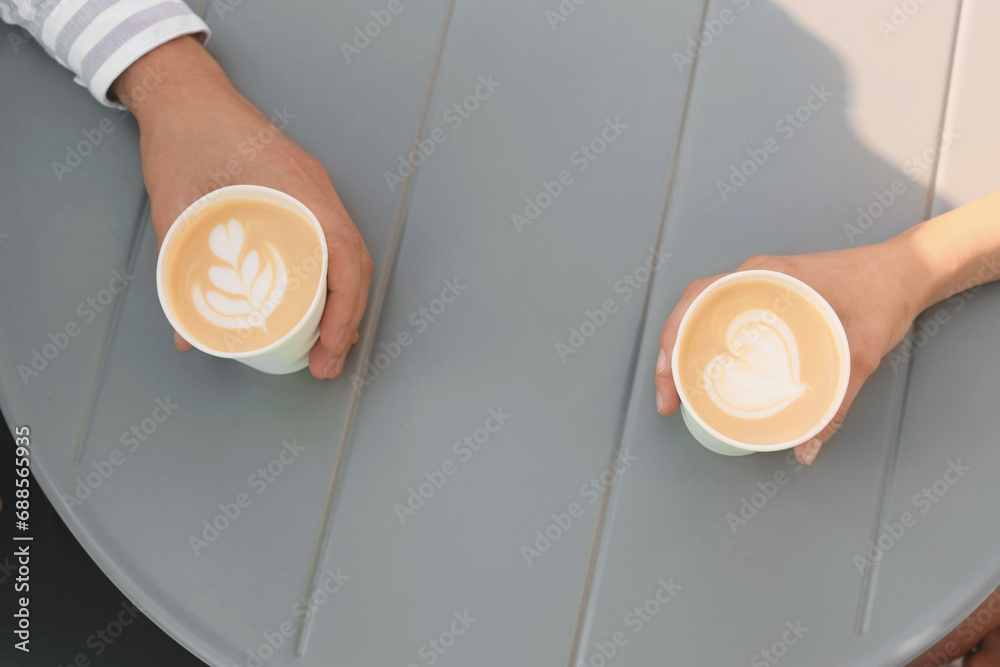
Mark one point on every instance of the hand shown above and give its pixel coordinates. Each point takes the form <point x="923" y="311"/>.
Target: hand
<point x="988" y="654"/>
<point x="869" y="288"/>
<point x="197" y="133"/>
<point x="972" y="633"/>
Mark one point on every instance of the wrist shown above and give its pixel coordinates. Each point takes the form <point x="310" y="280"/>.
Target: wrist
<point x="179" y="73"/>
<point x="954" y="251"/>
<point x="920" y="282"/>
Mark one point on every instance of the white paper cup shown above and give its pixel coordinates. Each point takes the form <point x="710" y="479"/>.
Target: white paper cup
<point x="722" y="444"/>
<point x="289" y="353"/>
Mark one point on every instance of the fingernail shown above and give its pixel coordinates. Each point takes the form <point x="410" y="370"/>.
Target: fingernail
<point x="659" y="402"/>
<point x="330" y="370"/>
<point x="341" y="337"/>
<point x="340" y="365"/>
<point x="661" y="362"/>
<point x="810" y="451"/>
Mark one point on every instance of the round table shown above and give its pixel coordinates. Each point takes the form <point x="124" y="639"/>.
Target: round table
<point x="537" y="183"/>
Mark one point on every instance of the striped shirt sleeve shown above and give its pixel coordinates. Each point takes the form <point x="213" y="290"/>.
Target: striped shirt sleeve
<point x="98" y="39"/>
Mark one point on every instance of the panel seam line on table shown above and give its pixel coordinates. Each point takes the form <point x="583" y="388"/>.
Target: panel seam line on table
<point x="932" y="184"/>
<point x="367" y="338"/>
<point x="585" y="610"/>
<point x="114" y="316"/>
<point x="869" y="582"/>
<point x="138" y="234"/>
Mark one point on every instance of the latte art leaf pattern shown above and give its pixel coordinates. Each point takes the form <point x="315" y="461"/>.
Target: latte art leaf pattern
<point x="760" y="376"/>
<point x="247" y="291"/>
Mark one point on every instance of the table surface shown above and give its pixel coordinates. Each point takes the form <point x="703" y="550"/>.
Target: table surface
<point x="512" y="548"/>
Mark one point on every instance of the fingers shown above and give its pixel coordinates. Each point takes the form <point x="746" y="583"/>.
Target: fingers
<point x="348" y="280"/>
<point x="988" y="654"/>
<point x="806" y="452"/>
<point x="667" y="399"/>
<point x="323" y="362"/>
<point x="180" y="343"/>
<point x="666" y="394"/>
<point x="367" y="271"/>
<point x="344" y="282"/>
<point x="161" y="223"/>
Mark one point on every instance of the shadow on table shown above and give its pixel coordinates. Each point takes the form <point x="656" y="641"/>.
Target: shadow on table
<point x="72" y="600"/>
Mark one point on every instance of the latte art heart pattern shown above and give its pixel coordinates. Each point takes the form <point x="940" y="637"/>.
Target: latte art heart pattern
<point x="248" y="287"/>
<point x="760" y="376"/>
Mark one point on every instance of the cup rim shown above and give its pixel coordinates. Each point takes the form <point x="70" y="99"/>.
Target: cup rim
<point x="821" y="304"/>
<point x="226" y="193"/>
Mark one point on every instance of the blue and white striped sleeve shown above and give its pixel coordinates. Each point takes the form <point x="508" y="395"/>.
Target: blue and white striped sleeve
<point x="99" y="39"/>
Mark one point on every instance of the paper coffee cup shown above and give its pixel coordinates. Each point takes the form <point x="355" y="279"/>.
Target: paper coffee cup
<point x="712" y="438"/>
<point x="289" y="353"/>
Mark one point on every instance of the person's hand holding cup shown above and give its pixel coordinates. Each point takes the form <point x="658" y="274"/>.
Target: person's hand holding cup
<point x="199" y="134"/>
<point x="750" y="379"/>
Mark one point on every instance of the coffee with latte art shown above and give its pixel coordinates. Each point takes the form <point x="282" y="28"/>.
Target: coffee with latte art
<point x="241" y="274"/>
<point x="759" y="363"/>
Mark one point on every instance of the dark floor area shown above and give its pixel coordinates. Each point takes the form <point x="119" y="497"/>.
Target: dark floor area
<point x="77" y="616"/>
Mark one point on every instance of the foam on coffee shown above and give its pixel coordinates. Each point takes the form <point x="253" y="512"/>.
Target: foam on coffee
<point x="242" y="273"/>
<point x="759" y="363"/>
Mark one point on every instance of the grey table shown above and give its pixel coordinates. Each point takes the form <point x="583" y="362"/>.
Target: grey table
<point x="452" y="510"/>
